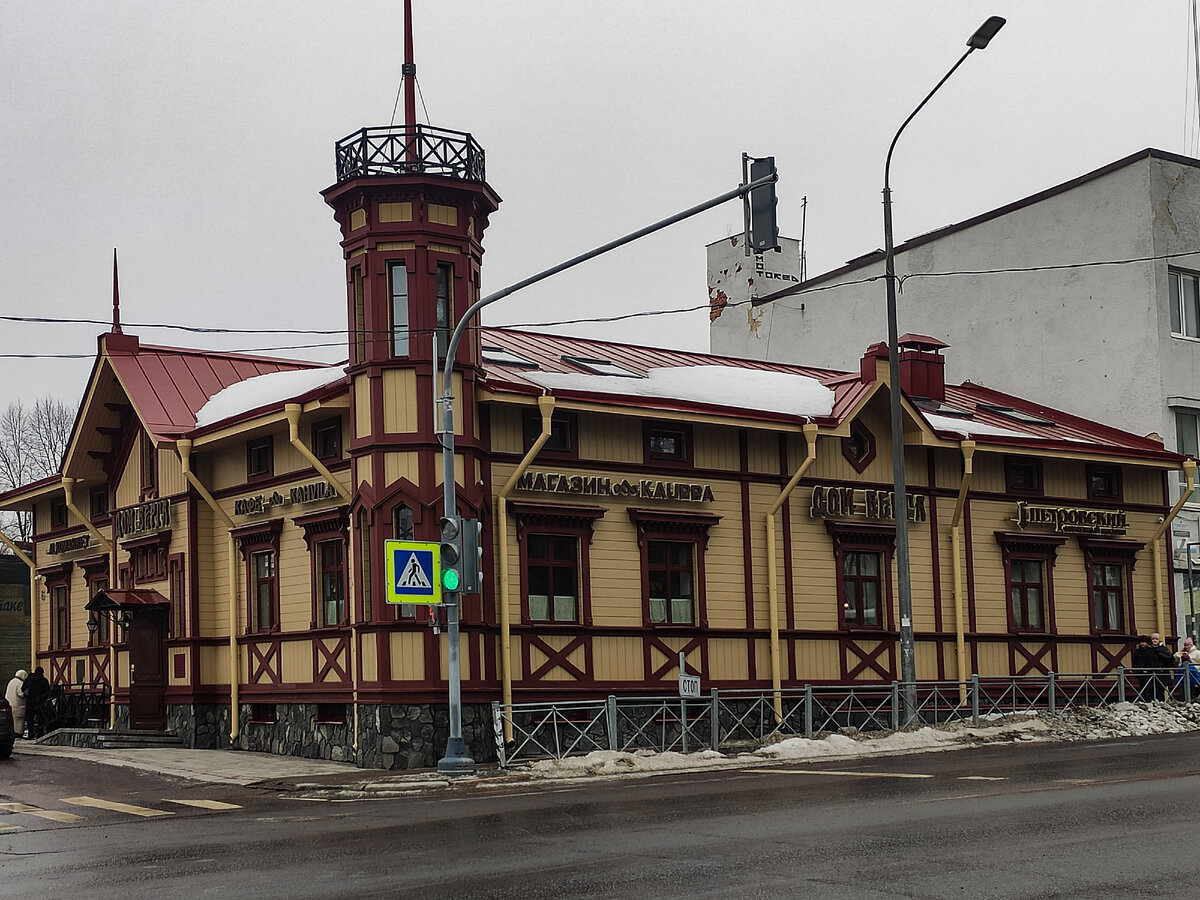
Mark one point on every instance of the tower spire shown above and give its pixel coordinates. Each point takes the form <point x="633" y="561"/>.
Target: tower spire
<point x="409" y="72"/>
<point x="116" y="326"/>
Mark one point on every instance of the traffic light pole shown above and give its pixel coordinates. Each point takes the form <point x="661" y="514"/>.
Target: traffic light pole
<point x="457" y="760"/>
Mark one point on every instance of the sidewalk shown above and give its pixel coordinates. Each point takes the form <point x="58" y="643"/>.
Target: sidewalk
<point x="266" y="770"/>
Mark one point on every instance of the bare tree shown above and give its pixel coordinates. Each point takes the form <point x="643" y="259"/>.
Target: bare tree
<point x="32" y="444"/>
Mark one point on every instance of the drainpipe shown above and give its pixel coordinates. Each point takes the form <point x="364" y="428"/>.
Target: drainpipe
<point x="184" y="448"/>
<point x="810" y="436"/>
<point x="68" y="492"/>
<point x="293" y="410"/>
<point x="960" y="637"/>
<point x="546" y="406"/>
<point x="35" y="595"/>
<point x="1189" y="473"/>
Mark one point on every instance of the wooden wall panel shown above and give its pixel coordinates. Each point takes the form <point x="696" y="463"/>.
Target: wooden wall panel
<point x="172" y="656"/>
<point x="294" y="571"/>
<point x="399" y="401"/>
<point x="295" y="664"/>
<point x="816" y="660"/>
<point x="369" y="659"/>
<point x="214" y="665"/>
<point x="617" y="659"/>
<point x="400" y="465"/>
<point x="727" y="660"/>
<point x="762" y="450"/>
<point x="362" y="406"/>
<point x="407" y="649"/>
<point x="716" y="447"/>
<point x="613" y="439"/>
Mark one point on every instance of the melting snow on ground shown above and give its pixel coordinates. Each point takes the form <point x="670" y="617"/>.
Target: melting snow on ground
<point x="1080" y="724"/>
<point x="732" y="386"/>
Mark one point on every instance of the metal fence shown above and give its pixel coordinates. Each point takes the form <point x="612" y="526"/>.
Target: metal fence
<point x="741" y="719"/>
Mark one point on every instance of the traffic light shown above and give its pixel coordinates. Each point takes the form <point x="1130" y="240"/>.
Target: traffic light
<point x="472" y="556"/>
<point x="764" y="231"/>
<point x="451" y="553"/>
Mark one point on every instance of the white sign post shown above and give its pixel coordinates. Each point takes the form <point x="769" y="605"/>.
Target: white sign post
<point x="689" y="686"/>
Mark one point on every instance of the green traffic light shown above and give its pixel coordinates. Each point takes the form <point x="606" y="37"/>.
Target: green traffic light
<point x="450" y="579"/>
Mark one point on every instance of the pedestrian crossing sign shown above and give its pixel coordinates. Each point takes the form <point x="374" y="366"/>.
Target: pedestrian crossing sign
<point x="412" y="568"/>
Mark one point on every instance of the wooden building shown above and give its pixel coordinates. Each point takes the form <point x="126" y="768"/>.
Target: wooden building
<point x="213" y="546"/>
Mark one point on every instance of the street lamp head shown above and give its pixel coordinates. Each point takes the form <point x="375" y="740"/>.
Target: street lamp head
<point x="985" y="32"/>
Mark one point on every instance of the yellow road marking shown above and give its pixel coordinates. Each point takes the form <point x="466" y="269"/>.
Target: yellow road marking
<point x="53" y="815"/>
<point x="853" y="774"/>
<point x="4" y="826"/>
<point x="203" y="804"/>
<point x="981" y="778"/>
<point x="115" y="807"/>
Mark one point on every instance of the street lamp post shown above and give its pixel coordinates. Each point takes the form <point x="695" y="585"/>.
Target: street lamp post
<point x="908" y="669"/>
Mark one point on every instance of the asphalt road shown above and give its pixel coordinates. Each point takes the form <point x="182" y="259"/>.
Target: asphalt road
<point x="1084" y="820"/>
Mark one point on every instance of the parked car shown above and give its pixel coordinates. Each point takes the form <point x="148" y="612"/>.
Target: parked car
<point x="8" y="734"/>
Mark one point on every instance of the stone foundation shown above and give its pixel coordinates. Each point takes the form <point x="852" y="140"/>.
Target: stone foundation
<point x="413" y="736"/>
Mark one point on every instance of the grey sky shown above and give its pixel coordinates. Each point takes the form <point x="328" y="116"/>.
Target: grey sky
<point x="195" y="137"/>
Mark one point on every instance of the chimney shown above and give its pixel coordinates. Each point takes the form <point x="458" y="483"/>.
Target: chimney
<point x="922" y="367"/>
<point x="875" y="356"/>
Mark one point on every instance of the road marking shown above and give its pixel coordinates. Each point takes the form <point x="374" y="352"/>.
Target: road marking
<point x="981" y="778"/>
<point x="115" y="807"/>
<point x="53" y="815"/>
<point x="1076" y="781"/>
<point x="203" y="804"/>
<point x="4" y="826"/>
<point x="852" y="774"/>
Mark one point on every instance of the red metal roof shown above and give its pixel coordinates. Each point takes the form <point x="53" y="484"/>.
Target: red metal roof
<point x="169" y="385"/>
<point x="1060" y="431"/>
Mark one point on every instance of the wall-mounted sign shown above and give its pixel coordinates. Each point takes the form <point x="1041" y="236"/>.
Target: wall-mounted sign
<point x="603" y="486"/>
<point x="152" y="516"/>
<point x="847" y="502"/>
<point x="304" y="493"/>
<point x="1072" y="520"/>
<point x="69" y="545"/>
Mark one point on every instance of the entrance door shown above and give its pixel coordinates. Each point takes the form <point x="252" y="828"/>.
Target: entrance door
<point x="148" y="669"/>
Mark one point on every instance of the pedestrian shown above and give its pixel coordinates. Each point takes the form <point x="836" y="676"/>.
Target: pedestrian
<point x="1164" y="662"/>
<point x="1143" y="665"/>
<point x="1189" y="650"/>
<point x="15" y="695"/>
<point x="37" y="690"/>
<point x="1187" y="680"/>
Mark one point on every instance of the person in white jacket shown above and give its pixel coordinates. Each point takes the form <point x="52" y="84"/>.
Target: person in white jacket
<point x="1188" y="650"/>
<point x="15" y="695"/>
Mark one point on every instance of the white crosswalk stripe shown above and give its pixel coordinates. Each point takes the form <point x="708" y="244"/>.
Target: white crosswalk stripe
<point x="203" y="804"/>
<point x="113" y="805"/>
<point x="54" y="815"/>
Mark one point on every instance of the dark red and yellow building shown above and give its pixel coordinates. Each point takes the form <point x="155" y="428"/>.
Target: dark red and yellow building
<point x="220" y="519"/>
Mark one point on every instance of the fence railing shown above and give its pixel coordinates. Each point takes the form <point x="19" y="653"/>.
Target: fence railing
<point x="416" y="149"/>
<point x="737" y="719"/>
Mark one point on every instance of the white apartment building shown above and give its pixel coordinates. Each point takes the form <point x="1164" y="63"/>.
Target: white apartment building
<point x="1084" y="296"/>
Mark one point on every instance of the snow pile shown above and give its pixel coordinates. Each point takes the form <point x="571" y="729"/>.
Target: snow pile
<point x="1076" y="724"/>
<point x="733" y="386"/>
<point x="271" y="389"/>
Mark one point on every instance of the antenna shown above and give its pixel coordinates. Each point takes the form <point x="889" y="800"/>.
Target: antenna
<point x="116" y="326"/>
<point x="409" y="72"/>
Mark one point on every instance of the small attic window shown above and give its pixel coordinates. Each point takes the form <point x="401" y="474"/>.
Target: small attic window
<point x="1015" y="414"/>
<point x="502" y="357"/>
<point x="942" y="409"/>
<point x="601" y="367"/>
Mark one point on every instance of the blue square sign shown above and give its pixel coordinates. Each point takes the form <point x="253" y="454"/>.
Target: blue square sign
<point x="412" y="572"/>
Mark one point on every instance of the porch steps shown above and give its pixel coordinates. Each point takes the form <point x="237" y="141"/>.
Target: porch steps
<point x="128" y="740"/>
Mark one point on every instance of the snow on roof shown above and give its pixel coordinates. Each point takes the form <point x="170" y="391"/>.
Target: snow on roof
<point x="272" y="389"/>
<point x="967" y="428"/>
<point x="732" y="386"/>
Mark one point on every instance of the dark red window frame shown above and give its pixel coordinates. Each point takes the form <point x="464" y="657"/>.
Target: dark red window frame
<point x="1041" y="548"/>
<point x="260" y="459"/>
<point x="331" y="526"/>
<point x="850" y="537"/>
<point x="1013" y="465"/>
<point x="1096" y="474"/>
<point x="563" y="442"/>
<point x="562" y="521"/>
<point x="1110" y="552"/>
<point x="682" y="431"/>
<point x="327" y="439"/>
<point x="674" y="526"/>
<point x="261" y="537"/>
